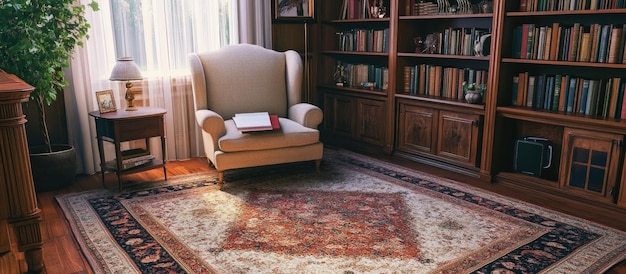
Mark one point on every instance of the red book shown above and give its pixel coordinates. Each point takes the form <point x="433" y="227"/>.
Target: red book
<point x="524" y="41"/>
<point x="274" y="121"/>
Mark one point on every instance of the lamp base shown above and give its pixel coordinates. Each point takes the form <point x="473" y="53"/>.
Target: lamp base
<point x="129" y="96"/>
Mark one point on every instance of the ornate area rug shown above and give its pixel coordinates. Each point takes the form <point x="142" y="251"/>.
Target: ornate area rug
<point x="358" y="215"/>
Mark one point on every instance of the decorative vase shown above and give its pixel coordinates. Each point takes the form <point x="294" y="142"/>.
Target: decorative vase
<point x="473" y="97"/>
<point x="473" y="93"/>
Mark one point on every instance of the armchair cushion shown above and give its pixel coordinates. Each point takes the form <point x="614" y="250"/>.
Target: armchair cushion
<point x="290" y="134"/>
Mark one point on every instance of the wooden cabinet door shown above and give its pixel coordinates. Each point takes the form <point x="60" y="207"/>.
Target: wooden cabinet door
<point x="458" y="136"/>
<point x="371" y="121"/>
<point x="417" y="129"/>
<point x="590" y="163"/>
<point x="339" y="114"/>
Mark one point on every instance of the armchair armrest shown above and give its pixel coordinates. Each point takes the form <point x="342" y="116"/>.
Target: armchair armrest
<point x="306" y="114"/>
<point x="211" y="124"/>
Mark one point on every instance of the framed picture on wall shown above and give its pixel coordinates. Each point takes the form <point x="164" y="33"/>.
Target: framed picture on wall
<point x="294" y="9"/>
<point x="106" y="101"/>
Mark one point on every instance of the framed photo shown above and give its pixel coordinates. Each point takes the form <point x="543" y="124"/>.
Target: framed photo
<point x="106" y="101"/>
<point x="294" y="9"/>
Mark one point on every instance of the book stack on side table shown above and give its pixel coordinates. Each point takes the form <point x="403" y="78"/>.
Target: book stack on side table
<point x="255" y="121"/>
<point x="133" y="158"/>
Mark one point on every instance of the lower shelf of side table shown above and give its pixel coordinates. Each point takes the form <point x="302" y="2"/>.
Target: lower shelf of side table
<point x="111" y="166"/>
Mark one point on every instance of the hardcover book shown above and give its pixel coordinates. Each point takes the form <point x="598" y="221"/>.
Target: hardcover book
<point x="253" y="121"/>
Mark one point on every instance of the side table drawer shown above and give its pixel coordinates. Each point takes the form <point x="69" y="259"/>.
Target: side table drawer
<point x="133" y="129"/>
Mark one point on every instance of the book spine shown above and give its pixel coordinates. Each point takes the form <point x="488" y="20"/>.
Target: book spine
<point x="604" y="41"/>
<point x="135" y="164"/>
<point x="522" y="90"/>
<point x="616" y="38"/>
<point x="623" y="91"/>
<point x="514" y="90"/>
<point x="571" y="95"/>
<point x="583" y="97"/>
<point x="557" y="92"/>
<point x="539" y="91"/>
<point x="530" y="97"/>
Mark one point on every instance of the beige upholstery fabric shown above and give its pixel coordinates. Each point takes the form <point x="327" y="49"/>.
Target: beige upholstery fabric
<point x="248" y="78"/>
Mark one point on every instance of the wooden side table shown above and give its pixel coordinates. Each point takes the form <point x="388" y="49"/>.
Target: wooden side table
<point x="122" y="126"/>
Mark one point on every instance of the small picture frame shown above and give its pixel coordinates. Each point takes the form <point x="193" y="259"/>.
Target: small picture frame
<point x="106" y="101"/>
<point x="294" y="9"/>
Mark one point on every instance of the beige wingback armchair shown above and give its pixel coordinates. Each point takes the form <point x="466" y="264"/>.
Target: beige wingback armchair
<point x="248" y="78"/>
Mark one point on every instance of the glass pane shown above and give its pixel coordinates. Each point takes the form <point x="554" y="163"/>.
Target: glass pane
<point x="580" y="155"/>
<point x="578" y="176"/>
<point x="596" y="179"/>
<point x="599" y="158"/>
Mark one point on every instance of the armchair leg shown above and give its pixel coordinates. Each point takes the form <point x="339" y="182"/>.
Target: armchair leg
<point x="220" y="179"/>
<point x="317" y="165"/>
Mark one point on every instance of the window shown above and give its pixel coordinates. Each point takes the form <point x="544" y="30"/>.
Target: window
<point x="159" y="34"/>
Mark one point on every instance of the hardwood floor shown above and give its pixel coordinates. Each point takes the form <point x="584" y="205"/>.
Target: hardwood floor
<point x="63" y="255"/>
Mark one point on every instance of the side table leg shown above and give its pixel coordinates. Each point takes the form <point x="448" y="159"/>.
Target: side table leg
<point x="119" y="181"/>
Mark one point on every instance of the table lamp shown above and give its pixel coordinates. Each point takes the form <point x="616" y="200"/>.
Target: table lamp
<point x="125" y="69"/>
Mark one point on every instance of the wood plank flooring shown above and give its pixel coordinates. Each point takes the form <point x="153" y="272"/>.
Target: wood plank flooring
<point x="63" y="255"/>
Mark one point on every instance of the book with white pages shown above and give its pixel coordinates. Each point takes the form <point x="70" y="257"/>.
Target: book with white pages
<point x="253" y="121"/>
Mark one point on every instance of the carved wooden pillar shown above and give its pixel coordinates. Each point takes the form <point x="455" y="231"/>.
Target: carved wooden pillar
<point x="19" y="204"/>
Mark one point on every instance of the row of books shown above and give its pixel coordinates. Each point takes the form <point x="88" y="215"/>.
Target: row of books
<point x="415" y="8"/>
<point x="558" y="5"/>
<point x="370" y="40"/>
<point x="358" y="9"/>
<point x="576" y="43"/>
<point x="358" y="75"/>
<point x="461" y="41"/>
<point x="594" y="97"/>
<point x="447" y="82"/>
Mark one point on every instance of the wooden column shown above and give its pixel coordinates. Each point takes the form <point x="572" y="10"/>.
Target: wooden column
<point x="19" y="203"/>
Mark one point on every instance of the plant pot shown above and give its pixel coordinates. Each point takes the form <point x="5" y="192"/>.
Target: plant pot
<point x="54" y="170"/>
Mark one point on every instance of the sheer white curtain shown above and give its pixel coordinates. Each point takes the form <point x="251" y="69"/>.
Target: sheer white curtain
<point x="158" y="34"/>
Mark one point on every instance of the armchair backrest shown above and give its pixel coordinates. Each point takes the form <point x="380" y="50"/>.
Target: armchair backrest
<point x="246" y="78"/>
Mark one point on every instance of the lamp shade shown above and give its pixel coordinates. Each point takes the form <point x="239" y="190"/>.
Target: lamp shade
<point x="125" y="69"/>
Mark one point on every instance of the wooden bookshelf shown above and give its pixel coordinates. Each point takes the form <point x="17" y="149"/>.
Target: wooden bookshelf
<point x="478" y="140"/>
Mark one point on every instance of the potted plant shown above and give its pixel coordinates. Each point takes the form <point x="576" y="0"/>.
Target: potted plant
<point x="37" y="40"/>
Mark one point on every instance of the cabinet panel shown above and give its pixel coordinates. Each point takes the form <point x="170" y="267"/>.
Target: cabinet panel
<point x="458" y="136"/>
<point x="339" y="114"/>
<point x="417" y="129"/>
<point x="371" y="121"/>
<point x="591" y="163"/>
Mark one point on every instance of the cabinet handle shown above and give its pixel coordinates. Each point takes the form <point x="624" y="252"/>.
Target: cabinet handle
<point x="612" y="191"/>
<point x="475" y="123"/>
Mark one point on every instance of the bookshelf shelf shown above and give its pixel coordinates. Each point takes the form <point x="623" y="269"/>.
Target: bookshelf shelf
<point x="565" y="12"/>
<point x="444" y="56"/>
<point x="359" y="21"/>
<point x="377" y="92"/>
<point x="446" y="16"/>
<point x="364" y="53"/>
<point x="564" y="63"/>
<point x="561" y="118"/>
<point x="454" y="103"/>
